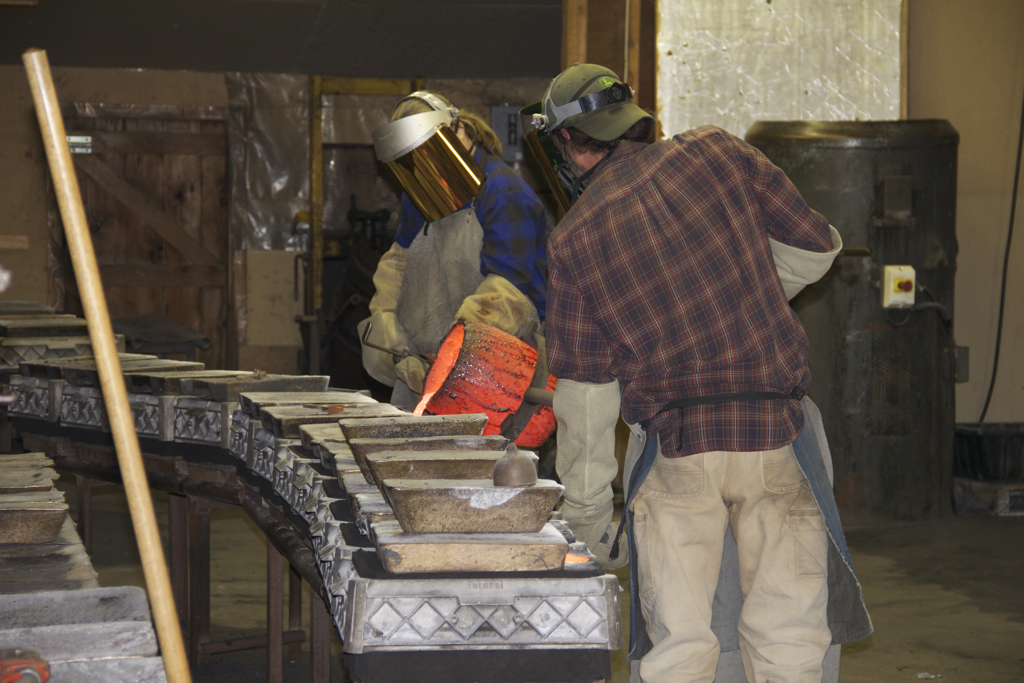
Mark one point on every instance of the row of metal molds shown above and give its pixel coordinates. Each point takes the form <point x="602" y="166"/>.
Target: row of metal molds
<point x="30" y="332"/>
<point x="281" y="429"/>
<point x="32" y="510"/>
<point x="312" y="467"/>
<point x="50" y="601"/>
<point x="170" y="400"/>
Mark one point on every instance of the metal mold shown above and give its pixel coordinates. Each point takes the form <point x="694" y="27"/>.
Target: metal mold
<point x="24" y="460"/>
<point x="404" y="553"/>
<point x="370" y="508"/>
<point x="413" y="427"/>
<point x="469" y="614"/>
<point x="362" y="448"/>
<point x="285" y="420"/>
<point x="354" y="483"/>
<point x="197" y="420"/>
<point x="253" y="401"/>
<point x="16" y="478"/>
<point x="34" y="517"/>
<point x="238" y="443"/>
<point x="83" y="407"/>
<point x="442" y="464"/>
<point x="470" y="506"/>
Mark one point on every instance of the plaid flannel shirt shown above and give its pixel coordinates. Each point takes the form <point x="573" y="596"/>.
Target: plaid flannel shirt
<point x="662" y="277"/>
<point x="514" y="226"/>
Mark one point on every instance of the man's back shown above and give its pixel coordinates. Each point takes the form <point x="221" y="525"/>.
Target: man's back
<point x="667" y="282"/>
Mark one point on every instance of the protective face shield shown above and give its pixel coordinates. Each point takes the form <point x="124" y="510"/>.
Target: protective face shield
<point x="589" y="98"/>
<point x="428" y="159"/>
<point x="548" y="158"/>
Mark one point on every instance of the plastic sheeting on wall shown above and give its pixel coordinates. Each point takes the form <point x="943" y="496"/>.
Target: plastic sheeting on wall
<point x="732" y="62"/>
<point x="353" y="179"/>
<point x="268" y="134"/>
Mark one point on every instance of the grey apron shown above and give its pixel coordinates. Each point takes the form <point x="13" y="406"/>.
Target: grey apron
<point x="848" y="617"/>
<point x="442" y="268"/>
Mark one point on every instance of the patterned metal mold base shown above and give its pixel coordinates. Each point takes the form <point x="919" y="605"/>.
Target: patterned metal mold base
<point x="83" y="407"/>
<point x="260" y="458"/>
<point x="238" y="441"/>
<point x="384" y="615"/>
<point x="198" y="420"/>
<point x="30" y="349"/>
<point x="283" y="473"/>
<point x="338" y="577"/>
<point x="39" y="398"/>
<point x="153" y="415"/>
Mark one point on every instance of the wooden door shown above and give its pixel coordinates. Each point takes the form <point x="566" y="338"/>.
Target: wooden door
<point x="154" y="185"/>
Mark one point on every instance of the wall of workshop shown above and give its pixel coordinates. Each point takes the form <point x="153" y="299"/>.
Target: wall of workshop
<point x="23" y="193"/>
<point x="966" y="64"/>
<point x="23" y="169"/>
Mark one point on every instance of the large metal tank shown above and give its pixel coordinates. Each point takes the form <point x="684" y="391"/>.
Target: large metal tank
<point x="882" y="377"/>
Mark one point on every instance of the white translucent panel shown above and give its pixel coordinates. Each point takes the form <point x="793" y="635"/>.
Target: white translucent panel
<point x="732" y="62"/>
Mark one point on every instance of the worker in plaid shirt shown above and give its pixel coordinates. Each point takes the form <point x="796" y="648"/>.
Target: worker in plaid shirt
<point x="485" y="263"/>
<point x="668" y="301"/>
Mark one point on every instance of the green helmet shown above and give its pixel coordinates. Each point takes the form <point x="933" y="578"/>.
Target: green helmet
<point x="591" y="99"/>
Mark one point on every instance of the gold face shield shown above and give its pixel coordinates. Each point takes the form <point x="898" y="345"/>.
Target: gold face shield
<point x="429" y="162"/>
<point x="546" y="155"/>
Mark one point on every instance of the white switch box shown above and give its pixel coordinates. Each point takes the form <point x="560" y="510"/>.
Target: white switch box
<point x="898" y="286"/>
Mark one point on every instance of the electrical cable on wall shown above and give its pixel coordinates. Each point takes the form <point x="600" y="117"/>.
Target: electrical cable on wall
<point x="1006" y="265"/>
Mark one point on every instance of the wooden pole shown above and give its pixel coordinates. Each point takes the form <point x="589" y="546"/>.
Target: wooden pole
<point x="101" y="336"/>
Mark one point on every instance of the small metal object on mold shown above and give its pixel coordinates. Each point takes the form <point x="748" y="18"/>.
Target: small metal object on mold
<point x="515" y="468"/>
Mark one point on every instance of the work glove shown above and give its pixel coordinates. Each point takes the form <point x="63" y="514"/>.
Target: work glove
<point x="413" y="372"/>
<point x="586" y="464"/>
<point x="499" y="303"/>
<point x="387" y="332"/>
<point x="798" y="268"/>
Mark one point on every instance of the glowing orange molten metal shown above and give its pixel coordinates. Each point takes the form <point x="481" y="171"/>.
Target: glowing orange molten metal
<point x="447" y="355"/>
<point x="481" y="369"/>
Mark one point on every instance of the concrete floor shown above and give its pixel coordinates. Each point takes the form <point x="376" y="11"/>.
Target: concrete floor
<point x="946" y="596"/>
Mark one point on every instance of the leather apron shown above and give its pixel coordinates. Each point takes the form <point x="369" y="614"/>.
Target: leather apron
<point x="442" y="268"/>
<point x="848" y="618"/>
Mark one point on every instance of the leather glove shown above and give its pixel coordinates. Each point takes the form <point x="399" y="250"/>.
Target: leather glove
<point x="387" y="331"/>
<point x="798" y="268"/>
<point x="413" y="372"/>
<point x="586" y="464"/>
<point x="499" y="303"/>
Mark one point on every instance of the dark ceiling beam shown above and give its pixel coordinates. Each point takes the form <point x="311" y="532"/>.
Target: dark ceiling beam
<point x="349" y="38"/>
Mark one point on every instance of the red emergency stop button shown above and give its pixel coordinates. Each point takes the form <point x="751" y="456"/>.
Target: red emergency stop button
<point x="905" y="285"/>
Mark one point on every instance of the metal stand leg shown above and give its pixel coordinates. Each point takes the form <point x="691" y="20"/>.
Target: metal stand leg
<point x="83" y="496"/>
<point x="6" y="432"/>
<point x="177" y="508"/>
<point x="294" y="610"/>
<point x="275" y="615"/>
<point x="199" y="579"/>
<point x="319" y="640"/>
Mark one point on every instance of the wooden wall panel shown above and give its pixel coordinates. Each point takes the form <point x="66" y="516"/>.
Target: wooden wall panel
<point x="599" y="25"/>
<point x="159" y="220"/>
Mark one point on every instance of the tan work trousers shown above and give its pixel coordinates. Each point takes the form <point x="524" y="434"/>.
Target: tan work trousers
<point x="681" y="515"/>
